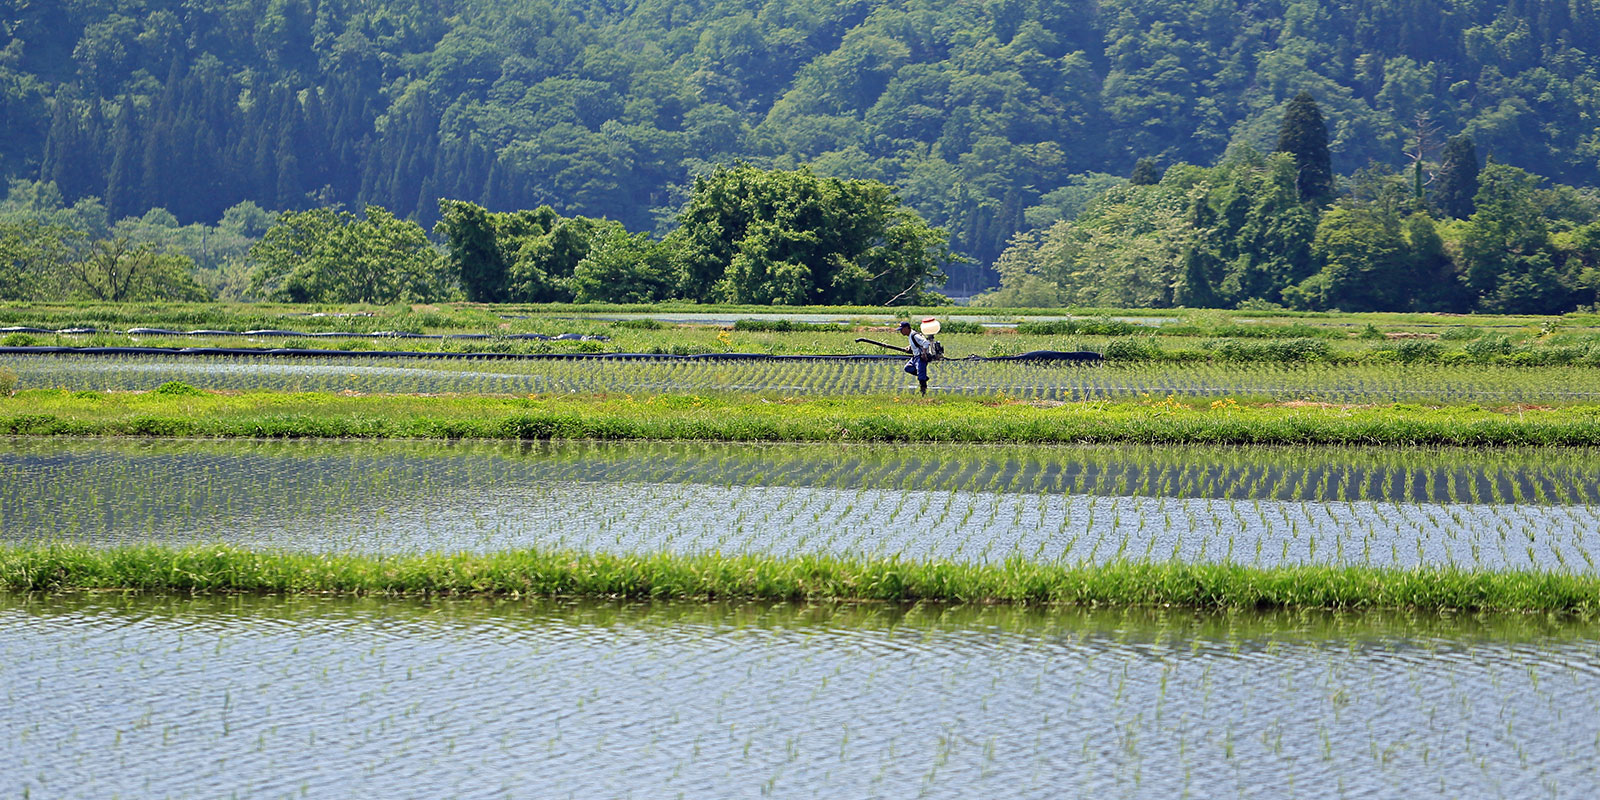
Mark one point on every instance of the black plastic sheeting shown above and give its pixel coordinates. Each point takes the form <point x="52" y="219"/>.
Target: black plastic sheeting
<point x="1046" y="356"/>
<point x="560" y="337"/>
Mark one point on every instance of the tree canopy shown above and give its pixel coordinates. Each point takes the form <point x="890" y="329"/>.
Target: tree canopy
<point x="328" y="256"/>
<point x="1236" y="235"/>
<point x="789" y="237"/>
<point x="990" y="117"/>
<point x="745" y="235"/>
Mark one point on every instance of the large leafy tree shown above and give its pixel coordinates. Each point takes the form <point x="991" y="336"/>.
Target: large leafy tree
<point x="624" y="267"/>
<point x="33" y="259"/>
<point x="749" y="235"/>
<point x="119" y="269"/>
<point x="1506" y="248"/>
<point x="518" y="256"/>
<point x="1366" y="265"/>
<point x="473" y="249"/>
<point x="328" y="256"/>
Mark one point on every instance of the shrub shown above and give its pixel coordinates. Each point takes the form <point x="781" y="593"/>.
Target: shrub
<point x="8" y="382"/>
<point x="103" y="339"/>
<point x="1080" y="327"/>
<point x="1487" y="347"/>
<point x="19" y="340"/>
<point x="1131" y="349"/>
<point x="1412" y="351"/>
<point x="1288" y="350"/>
<point x="783" y="326"/>
<point x="1564" y="355"/>
<point x="643" y="324"/>
<point x="177" y="389"/>
<point x="1299" y="330"/>
<point x="1460" y="333"/>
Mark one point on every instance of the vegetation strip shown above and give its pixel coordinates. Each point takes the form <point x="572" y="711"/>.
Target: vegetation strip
<point x="178" y="410"/>
<point x="222" y="568"/>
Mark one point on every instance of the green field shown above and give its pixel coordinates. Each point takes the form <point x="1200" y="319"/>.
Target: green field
<point x="1245" y="547"/>
<point x="1173" y="335"/>
<point x="1218" y="379"/>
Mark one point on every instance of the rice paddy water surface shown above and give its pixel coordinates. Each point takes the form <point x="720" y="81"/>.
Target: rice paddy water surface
<point x="1503" y="509"/>
<point x="334" y="697"/>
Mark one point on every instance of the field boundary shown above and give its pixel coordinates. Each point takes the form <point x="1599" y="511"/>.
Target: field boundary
<point x="295" y="352"/>
<point x="207" y="569"/>
<point x="182" y="411"/>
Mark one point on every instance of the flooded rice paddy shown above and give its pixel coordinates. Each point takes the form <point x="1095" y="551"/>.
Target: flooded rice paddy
<point x="262" y="697"/>
<point x="1504" y="509"/>
<point x="1320" y="382"/>
<point x="136" y="696"/>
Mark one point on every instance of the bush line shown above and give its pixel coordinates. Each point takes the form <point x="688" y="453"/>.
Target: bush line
<point x="223" y="569"/>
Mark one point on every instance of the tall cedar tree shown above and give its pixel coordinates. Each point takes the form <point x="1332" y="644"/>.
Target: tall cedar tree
<point x="1145" y="173"/>
<point x="1458" y="177"/>
<point x="1305" y="136"/>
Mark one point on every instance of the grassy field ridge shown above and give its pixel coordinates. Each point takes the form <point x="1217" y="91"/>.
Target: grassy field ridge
<point x="221" y="568"/>
<point x="754" y="418"/>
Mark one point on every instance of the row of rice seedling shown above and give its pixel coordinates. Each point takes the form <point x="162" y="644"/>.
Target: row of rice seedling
<point x="1023" y="381"/>
<point x="1512" y="476"/>
<point x="1089" y="509"/>
<point x="914" y="526"/>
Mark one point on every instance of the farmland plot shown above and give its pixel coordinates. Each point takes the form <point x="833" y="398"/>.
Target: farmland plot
<point x="273" y="696"/>
<point x="1022" y="380"/>
<point x="1514" y="509"/>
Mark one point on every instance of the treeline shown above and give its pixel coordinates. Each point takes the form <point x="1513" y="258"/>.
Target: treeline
<point x="993" y="118"/>
<point x="1272" y="231"/>
<point x="745" y="235"/>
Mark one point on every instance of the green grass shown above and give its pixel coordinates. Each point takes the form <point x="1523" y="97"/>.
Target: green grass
<point x="1183" y="335"/>
<point x="752" y="418"/>
<point x="219" y="568"/>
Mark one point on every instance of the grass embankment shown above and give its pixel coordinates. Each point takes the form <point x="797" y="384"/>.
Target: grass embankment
<point x="747" y="418"/>
<point x="221" y="569"/>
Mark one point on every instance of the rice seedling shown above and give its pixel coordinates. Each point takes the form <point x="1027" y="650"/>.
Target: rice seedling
<point x="1329" y="383"/>
<point x="986" y="505"/>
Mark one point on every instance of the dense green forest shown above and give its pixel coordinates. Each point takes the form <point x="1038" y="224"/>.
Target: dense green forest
<point x="992" y="118"/>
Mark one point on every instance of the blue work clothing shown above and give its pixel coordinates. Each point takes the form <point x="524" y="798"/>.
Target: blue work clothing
<point x="921" y="354"/>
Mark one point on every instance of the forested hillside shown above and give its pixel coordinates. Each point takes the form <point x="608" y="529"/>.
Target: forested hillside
<point x="990" y="117"/>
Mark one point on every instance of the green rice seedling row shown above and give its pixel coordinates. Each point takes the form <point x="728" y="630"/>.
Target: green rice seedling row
<point x="1510" y="510"/>
<point x="1314" y="382"/>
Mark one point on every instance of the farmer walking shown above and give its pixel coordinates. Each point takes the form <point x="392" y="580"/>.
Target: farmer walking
<point x="921" y="353"/>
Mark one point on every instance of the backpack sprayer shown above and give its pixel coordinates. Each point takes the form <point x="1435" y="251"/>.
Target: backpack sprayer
<point x="930" y="329"/>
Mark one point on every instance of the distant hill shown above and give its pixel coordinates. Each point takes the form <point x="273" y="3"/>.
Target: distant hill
<point x="992" y="117"/>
